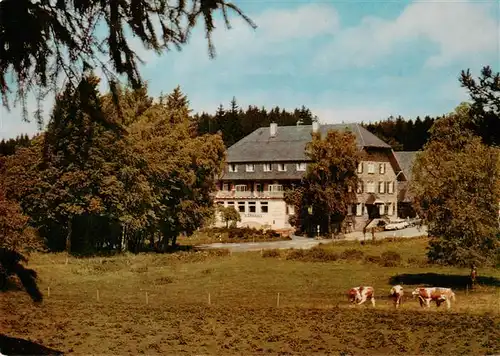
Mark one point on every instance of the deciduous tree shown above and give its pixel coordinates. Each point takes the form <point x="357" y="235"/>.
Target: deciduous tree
<point x="456" y="183"/>
<point x="330" y="182"/>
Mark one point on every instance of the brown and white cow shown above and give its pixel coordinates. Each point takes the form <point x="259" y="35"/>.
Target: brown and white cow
<point x="437" y="294"/>
<point x="397" y="295"/>
<point x="361" y="294"/>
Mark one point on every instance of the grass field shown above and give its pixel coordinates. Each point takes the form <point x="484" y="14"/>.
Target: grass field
<point x="213" y="302"/>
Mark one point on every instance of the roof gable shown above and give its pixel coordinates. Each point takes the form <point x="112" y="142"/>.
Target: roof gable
<point x="290" y="142"/>
<point x="406" y="159"/>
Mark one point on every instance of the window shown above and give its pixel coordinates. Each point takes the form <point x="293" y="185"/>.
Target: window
<point x="386" y="208"/>
<point x="220" y="203"/>
<point x="258" y="187"/>
<point x="225" y="187"/>
<point x="241" y="206"/>
<point x="250" y="167"/>
<point x="371" y="168"/>
<point x="359" y="209"/>
<point x="390" y="187"/>
<point x="233" y="168"/>
<point x="230" y="203"/>
<point x="391" y="210"/>
<point x="281" y="167"/>
<point x="290" y="210"/>
<point x="360" y="167"/>
<point x="381" y="168"/>
<point x="360" y="187"/>
<point x="275" y="188"/>
<point x="268" y="167"/>
<point x="370" y="187"/>
<point x="381" y="187"/>
<point x="241" y="188"/>
<point x="264" y="208"/>
<point x="252" y="207"/>
<point x="301" y="167"/>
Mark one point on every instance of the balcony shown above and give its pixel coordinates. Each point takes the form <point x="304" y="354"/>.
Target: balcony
<point x="249" y="194"/>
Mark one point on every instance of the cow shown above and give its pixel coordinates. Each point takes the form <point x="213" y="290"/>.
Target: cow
<point x="361" y="294"/>
<point x="437" y="294"/>
<point x="397" y="295"/>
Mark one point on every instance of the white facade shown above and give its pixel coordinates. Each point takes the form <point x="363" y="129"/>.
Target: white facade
<point x="272" y="213"/>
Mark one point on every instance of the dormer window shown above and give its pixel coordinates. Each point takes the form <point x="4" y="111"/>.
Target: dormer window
<point x="233" y="168"/>
<point x="250" y="167"/>
<point x="267" y="167"/>
<point x="281" y="167"/>
<point x="301" y="167"/>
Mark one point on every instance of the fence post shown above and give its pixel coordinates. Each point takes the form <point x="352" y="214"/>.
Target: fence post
<point x="278" y="300"/>
<point x="209" y="301"/>
<point x="98" y="295"/>
<point x="48" y="292"/>
<point x="147" y="301"/>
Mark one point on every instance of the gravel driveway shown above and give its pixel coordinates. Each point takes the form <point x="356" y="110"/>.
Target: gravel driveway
<point x="300" y="242"/>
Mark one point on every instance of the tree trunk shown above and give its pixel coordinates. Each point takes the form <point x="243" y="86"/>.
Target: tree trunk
<point x="68" y="236"/>
<point x="124" y="241"/>
<point x="330" y="225"/>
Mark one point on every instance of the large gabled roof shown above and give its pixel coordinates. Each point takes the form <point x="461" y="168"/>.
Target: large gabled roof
<point x="290" y="141"/>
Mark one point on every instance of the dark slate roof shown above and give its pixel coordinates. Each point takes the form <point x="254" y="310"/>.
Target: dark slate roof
<point x="290" y="142"/>
<point x="406" y="160"/>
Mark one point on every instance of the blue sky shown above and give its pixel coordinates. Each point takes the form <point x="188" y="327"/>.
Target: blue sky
<point x="347" y="61"/>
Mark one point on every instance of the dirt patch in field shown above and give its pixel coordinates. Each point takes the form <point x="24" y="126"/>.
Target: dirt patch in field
<point x="200" y="329"/>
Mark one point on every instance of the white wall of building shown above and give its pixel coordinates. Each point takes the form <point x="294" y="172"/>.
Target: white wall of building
<point x="275" y="218"/>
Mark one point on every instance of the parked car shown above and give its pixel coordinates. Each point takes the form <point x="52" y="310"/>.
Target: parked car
<point x="397" y="225"/>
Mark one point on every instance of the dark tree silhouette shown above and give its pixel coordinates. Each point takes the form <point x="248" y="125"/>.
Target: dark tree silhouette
<point x="40" y="40"/>
<point x="10" y="264"/>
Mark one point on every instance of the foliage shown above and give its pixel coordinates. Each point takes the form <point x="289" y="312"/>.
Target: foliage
<point x="181" y="167"/>
<point x="457" y="189"/>
<point x="485" y="110"/>
<point x="330" y="182"/>
<point x="115" y="182"/>
<point x="41" y="40"/>
<point x="401" y="134"/>
<point x="231" y="235"/>
<point x="229" y="215"/>
<point x="15" y="236"/>
<point x="390" y="259"/>
<point x="8" y="147"/>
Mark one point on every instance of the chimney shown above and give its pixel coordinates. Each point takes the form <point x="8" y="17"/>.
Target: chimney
<point x="273" y="129"/>
<point x="315" y="125"/>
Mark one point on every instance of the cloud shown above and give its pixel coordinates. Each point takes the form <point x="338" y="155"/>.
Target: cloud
<point x="459" y="30"/>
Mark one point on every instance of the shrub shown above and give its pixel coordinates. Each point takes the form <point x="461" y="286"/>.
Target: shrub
<point x="390" y="259"/>
<point x="372" y="259"/>
<point x="164" y="280"/>
<point x="352" y="254"/>
<point x="271" y="253"/>
<point x="315" y="254"/>
<point x="414" y="261"/>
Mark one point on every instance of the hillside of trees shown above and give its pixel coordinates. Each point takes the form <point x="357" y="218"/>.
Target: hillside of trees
<point x="402" y="134"/>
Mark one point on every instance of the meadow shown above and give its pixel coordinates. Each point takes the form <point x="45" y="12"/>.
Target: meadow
<point x="278" y="302"/>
